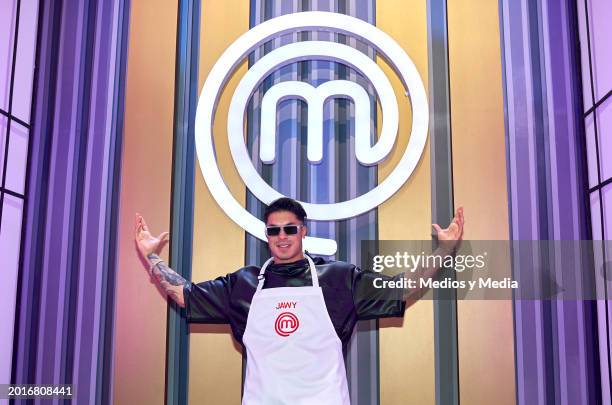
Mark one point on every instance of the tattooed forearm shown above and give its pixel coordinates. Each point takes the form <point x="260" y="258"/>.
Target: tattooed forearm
<point x="166" y="272"/>
<point x="169" y="280"/>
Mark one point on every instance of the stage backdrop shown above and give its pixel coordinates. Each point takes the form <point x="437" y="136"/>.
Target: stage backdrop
<point x="519" y="94"/>
<point x="394" y="362"/>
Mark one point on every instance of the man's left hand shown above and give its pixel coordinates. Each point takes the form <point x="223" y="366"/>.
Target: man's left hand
<point x="453" y="233"/>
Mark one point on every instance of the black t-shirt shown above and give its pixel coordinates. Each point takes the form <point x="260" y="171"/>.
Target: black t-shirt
<point x="348" y="291"/>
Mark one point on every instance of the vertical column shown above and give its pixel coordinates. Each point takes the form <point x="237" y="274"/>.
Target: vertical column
<point x="554" y="346"/>
<point x="183" y="183"/>
<point x="218" y="243"/>
<point x="596" y="64"/>
<point x="407" y="345"/>
<point x="442" y="204"/>
<point x="139" y="371"/>
<point x="486" y="353"/>
<point x="18" y="22"/>
<point x="66" y="297"/>
<point x="362" y="357"/>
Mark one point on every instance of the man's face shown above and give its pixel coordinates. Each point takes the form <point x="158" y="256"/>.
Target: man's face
<point x="285" y="248"/>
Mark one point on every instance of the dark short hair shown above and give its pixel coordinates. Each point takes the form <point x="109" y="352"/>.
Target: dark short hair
<point x="285" y="204"/>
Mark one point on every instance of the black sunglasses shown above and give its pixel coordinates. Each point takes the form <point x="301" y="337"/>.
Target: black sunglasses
<point x="289" y="230"/>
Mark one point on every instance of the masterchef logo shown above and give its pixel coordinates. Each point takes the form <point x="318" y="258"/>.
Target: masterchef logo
<point x="375" y="84"/>
<point x="286" y="323"/>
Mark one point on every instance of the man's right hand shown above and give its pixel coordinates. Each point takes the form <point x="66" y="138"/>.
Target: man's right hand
<point x="149" y="246"/>
<point x="146" y="242"/>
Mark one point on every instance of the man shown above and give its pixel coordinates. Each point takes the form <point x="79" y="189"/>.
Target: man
<point x="296" y="314"/>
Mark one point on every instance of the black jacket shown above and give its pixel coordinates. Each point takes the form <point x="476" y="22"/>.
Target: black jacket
<point x="348" y="292"/>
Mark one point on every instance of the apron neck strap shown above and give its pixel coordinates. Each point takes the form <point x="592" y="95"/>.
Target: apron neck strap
<point x="311" y="265"/>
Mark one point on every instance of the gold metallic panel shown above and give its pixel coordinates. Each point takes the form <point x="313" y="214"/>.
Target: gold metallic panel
<point x="215" y="360"/>
<point x="141" y="309"/>
<point x="485" y="328"/>
<point x="407" y="349"/>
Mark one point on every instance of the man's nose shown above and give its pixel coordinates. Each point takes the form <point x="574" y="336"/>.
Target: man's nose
<point x="283" y="233"/>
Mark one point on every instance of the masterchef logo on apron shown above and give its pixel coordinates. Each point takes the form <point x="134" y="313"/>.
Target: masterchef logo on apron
<point x="286" y="323"/>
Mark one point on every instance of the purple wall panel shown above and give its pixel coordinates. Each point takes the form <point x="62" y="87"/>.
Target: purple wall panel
<point x="591" y="150"/>
<point x="603" y="308"/>
<point x="600" y="16"/>
<point x="546" y="192"/>
<point x="24" y="67"/>
<point x="17" y="158"/>
<point x="7" y="31"/>
<point x="96" y="190"/>
<point x="587" y="95"/>
<point x="606" y="194"/>
<point x="56" y="277"/>
<point x="67" y="279"/>
<point x="596" y="217"/>
<point x="10" y="239"/>
<point x="596" y="19"/>
<point x="604" y="129"/>
<point x="2" y="140"/>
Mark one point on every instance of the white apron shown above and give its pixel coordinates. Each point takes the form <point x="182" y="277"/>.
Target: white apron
<point x="294" y="356"/>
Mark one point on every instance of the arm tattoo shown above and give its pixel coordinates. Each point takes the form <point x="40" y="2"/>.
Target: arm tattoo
<point x="165" y="273"/>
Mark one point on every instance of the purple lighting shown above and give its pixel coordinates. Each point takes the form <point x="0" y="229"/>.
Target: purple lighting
<point x="7" y="28"/>
<point x="2" y="143"/>
<point x="604" y="129"/>
<point x="17" y="158"/>
<point x="10" y="240"/>
<point x="600" y="15"/>
<point x="595" y="31"/>
<point x="18" y="22"/>
<point x="24" y="64"/>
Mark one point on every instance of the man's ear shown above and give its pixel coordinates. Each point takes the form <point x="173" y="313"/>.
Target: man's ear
<point x="304" y="231"/>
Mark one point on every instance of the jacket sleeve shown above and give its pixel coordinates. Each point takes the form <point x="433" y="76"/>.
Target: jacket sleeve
<point x="208" y="302"/>
<point x="372" y="302"/>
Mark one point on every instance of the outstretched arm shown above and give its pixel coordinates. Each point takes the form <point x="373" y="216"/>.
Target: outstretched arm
<point x="169" y="280"/>
<point x="149" y="246"/>
<point x="448" y="239"/>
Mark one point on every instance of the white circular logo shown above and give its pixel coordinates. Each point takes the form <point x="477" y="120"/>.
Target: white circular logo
<point x="315" y="97"/>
